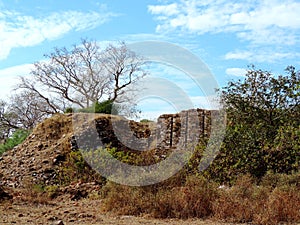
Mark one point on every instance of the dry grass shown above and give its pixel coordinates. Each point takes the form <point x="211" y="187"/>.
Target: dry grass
<point x="240" y="202"/>
<point x="281" y="206"/>
<point x="194" y="199"/>
<point x="245" y="202"/>
<point x="33" y="195"/>
<point x="186" y="197"/>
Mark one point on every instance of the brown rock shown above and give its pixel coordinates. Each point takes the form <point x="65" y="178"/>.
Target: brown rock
<point x="4" y="195"/>
<point x="60" y="222"/>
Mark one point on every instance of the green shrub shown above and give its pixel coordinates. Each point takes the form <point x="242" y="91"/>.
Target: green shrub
<point x="282" y="155"/>
<point x="263" y="130"/>
<point x="69" y="110"/>
<point x="17" y="138"/>
<point x="145" y="121"/>
<point x="246" y="149"/>
<point x="75" y="168"/>
<point x="105" y="107"/>
<point x="280" y="180"/>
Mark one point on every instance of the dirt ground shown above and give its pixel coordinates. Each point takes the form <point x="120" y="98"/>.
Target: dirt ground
<point x="81" y="212"/>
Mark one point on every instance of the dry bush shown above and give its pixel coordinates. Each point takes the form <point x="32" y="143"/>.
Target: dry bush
<point x="264" y="204"/>
<point x="125" y="200"/>
<point x="282" y="206"/>
<point x="34" y="194"/>
<point x="238" y="203"/>
<point x="193" y="199"/>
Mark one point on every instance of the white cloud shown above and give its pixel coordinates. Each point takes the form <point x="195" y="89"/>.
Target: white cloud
<point x="18" y="30"/>
<point x="16" y="71"/>
<point x="263" y="55"/>
<point x="258" y="21"/>
<point x="168" y="10"/>
<point x="9" y="78"/>
<point x="236" y="72"/>
<point x="132" y="38"/>
<point x="239" y="55"/>
<point x="206" y="102"/>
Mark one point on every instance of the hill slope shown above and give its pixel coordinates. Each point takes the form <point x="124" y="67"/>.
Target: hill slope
<point x="38" y="157"/>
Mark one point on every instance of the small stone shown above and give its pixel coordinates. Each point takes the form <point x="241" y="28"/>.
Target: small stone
<point x="60" y="222"/>
<point x="40" y="145"/>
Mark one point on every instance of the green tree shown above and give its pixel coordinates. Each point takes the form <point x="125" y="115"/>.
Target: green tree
<point x="262" y="98"/>
<point x="263" y="110"/>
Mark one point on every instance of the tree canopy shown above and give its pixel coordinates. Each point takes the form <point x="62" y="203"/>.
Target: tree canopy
<point x="263" y="132"/>
<point x="84" y="75"/>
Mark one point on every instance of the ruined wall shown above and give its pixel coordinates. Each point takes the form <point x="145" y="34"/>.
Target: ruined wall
<point x="178" y="130"/>
<point x="171" y="131"/>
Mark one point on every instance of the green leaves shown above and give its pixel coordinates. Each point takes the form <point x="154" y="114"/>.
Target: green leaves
<point x="263" y="125"/>
<point x="17" y="138"/>
<point x="105" y="107"/>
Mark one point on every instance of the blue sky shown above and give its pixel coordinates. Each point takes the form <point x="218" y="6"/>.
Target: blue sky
<point x="226" y="35"/>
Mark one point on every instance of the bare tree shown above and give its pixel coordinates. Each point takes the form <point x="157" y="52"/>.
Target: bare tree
<point x="30" y="109"/>
<point x="84" y="75"/>
<point x="24" y="111"/>
<point x="8" y="120"/>
<point x="124" y="68"/>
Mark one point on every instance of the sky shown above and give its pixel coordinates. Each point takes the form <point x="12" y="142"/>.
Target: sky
<point x="226" y="36"/>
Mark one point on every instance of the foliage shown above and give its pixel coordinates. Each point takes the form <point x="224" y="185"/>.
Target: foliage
<point x="17" y="138"/>
<point x="263" y="99"/>
<point x="263" y="117"/>
<point x="100" y="156"/>
<point x="75" y="168"/>
<point x="283" y="155"/>
<point x="69" y="110"/>
<point x="105" y="107"/>
<point x="145" y="121"/>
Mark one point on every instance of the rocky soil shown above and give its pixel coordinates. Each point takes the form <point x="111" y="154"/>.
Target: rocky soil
<point x="38" y="157"/>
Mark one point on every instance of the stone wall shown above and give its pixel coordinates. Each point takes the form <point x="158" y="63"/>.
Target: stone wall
<point x="171" y="131"/>
<point x="178" y="131"/>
